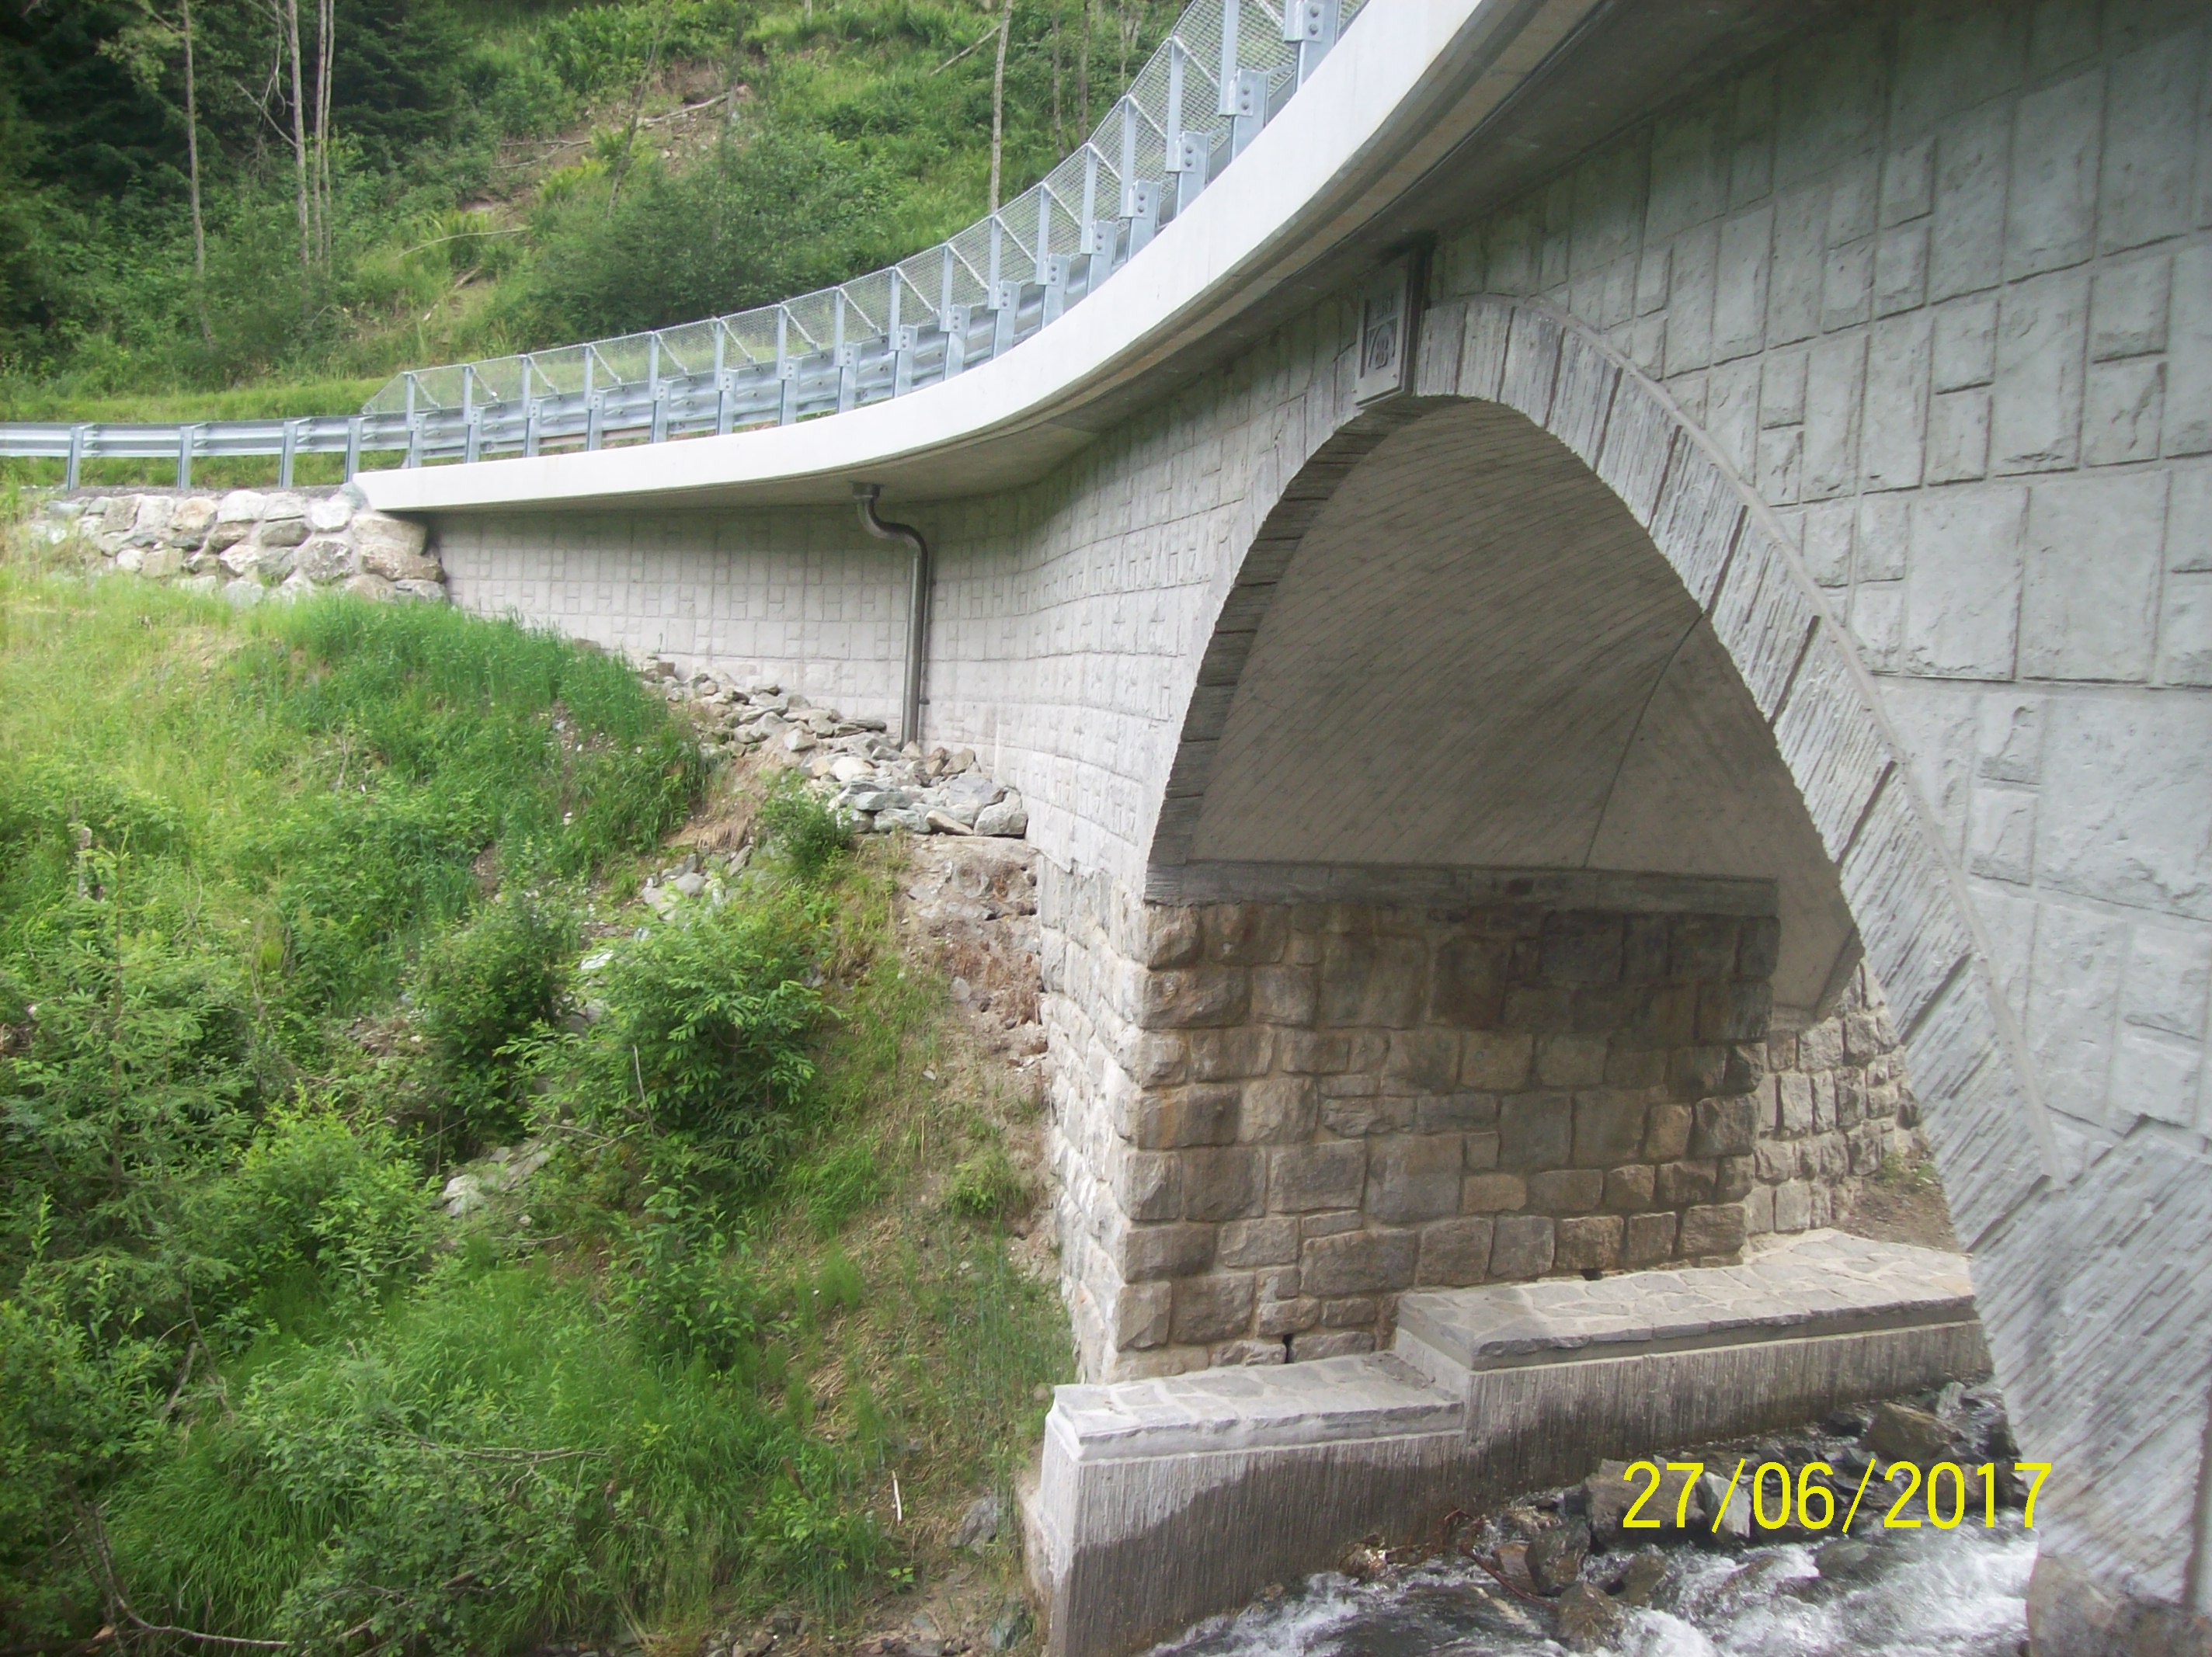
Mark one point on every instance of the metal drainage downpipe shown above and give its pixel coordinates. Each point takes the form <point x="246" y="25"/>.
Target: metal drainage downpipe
<point x="917" y="618"/>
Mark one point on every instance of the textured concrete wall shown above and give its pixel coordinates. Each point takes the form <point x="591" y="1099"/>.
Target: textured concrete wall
<point x="1897" y="348"/>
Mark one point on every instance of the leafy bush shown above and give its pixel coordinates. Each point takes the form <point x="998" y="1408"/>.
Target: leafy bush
<point x="317" y="1196"/>
<point x="705" y="1035"/>
<point x="480" y="986"/>
<point x="801" y="827"/>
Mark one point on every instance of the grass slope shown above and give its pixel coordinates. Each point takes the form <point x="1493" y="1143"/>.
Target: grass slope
<point x="291" y="905"/>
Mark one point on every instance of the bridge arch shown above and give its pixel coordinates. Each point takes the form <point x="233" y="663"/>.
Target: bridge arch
<point x="1639" y="677"/>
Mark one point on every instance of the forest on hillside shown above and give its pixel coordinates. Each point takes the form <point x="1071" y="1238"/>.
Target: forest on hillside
<point x="203" y="195"/>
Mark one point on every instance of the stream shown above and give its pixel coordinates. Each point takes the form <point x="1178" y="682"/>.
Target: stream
<point x="1880" y="1592"/>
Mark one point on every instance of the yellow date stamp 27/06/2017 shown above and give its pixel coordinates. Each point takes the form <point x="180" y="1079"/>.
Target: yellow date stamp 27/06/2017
<point x="1776" y="1499"/>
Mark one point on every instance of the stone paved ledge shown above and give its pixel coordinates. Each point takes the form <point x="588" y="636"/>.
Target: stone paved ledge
<point x="1813" y="1283"/>
<point x="1163" y="1500"/>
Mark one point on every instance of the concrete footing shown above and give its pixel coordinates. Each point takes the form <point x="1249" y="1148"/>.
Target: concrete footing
<point x="1158" y="1502"/>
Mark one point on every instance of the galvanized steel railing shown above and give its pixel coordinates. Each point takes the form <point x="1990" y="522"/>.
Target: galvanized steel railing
<point x="1226" y="69"/>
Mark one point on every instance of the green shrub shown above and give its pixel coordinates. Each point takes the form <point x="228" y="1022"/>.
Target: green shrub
<point x="704" y="1038"/>
<point x="324" y="1199"/>
<point x="801" y="827"/>
<point x="481" y="985"/>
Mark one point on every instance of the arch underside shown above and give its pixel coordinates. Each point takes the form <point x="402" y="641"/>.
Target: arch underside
<point x="1478" y="660"/>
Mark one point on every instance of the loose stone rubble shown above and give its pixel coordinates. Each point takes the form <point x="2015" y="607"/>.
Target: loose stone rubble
<point x="878" y="784"/>
<point x="254" y="544"/>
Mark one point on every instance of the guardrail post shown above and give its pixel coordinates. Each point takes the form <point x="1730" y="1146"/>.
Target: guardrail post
<point x="1249" y="113"/>
<point x="353" y="447"/>
<point x="530" y="418"/>
<point x="1055" y="288"/>
<point x="1088" y="226"/>
<point x="413" y="437"/>
<point x="187" y="436"/>
<point x="902" y="343"/>
<point x="849" y="377"/>
<point x="653" y="366"/>
<point x="955" y="339"/>
<point x="595" y="418"/>
<point x="1129" y="156"/>
<point x="1310" y="26"/>
<point x="725" y="402"/>
<point x="1232" y="13"/>
<point x="284" y="455"/>
<point x="1144" y="220"/>
<point x="1184" y="162"/>
<point x="79" y="436"/>
<point x="659" y="414"/>
<point x="472" y="436"/>
<point x="786" y="397"/>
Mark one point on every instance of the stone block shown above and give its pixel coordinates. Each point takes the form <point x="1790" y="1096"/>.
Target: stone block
<point x="2094" y="550"/>
<point x="1580" y="949"/>
<point x="1212" y="1307"/>
<point x="1449" y="1113"/>
<point x="1279" y="1110"/>
<point x="1151" y="1253"/>
<point x="1666" y="1130"/>
<point x="1349" y="1312"/>
<point x="1423" y="1060"/>
<point x="1245" y="934"/>
<point x="1715" y="1229"/>
<point x="1305" y="1179"/>
<point x="1496" y="1060"/>
<point x="1693" y="1073"/>
<point x="1725" y="1127"/>
<point x="190" y="521"/>
<point x="1794" y="1098"/>
<point x="1413" y="1177"/>
<point x="1666" y="1016"/>
<point x="1681" y="1184"/>
<point x="1172" y="937"/>
<point x="1271" y="1241"/>
<point x="1608" y="1126"/>
<point x="1470" y="985"/>
<point x="1148" y="1184"/>
<point x="1276" y="1317"/>
<point x="1359" y="1263"/>
<point x="1491" y="1193"/>
<point x="1316" y="1344"/>
<point x="2128" y="308"/>
<point x="160" y="563"/>
<point x="1733" y="1180"/>
<point x="1228" y="1055"/>
<point x="1588" y="1242"/>
<point x="2052" y="212"/>
<point x="1570" y="1061"/>
<point x="1454" y="1254"/>
<point x="1735" y="1010"/>
<point x="1328" y="1053"/>
<point x="1535" y="1131"/>
<point x="1703" y="946"/>
<point x="1628" y="1188"/>
<point x="1188" y="997"/>
<point x="1194" y="1115"/>
<point x="241" y="506"/>
<point x="1284" y="995"/>
<point x="1373" y="981"/>
<point x="2042" y="339"/>
<point x="2124" y="407"/>
<point x="1140" y="1316"/>
<point x="1226" y="1182"/>
<point x="327" y="515"/>
<point x="1759" y="948"/>
<point x="1160" y="1059"/>
<point x="324" y="558"/>
<point x="1566" y="1190"/>
<point x="1521" y="1246"/>
<point x="1647" y="1239"/>
<point x="293" y="532"/>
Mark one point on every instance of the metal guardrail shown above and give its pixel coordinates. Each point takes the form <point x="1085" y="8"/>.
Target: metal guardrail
<point x="1226" y="69"/>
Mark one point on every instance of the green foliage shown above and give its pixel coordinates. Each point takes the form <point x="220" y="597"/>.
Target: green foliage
<point x="318" y="1198"/>
<point x="987" y="1185"/>
<point x="482" y="986"/>
<point x="808" y="833"/>
<point x="704" y="1036"/>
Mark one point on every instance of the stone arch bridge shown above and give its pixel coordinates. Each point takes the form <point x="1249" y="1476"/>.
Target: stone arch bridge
<point x="1559" y="784"/>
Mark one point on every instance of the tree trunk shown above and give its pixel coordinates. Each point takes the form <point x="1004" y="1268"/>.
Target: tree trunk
<point x="1083" y="76"/>
<point x="292" y="43"/>
<point x="325" y="54"/>
<point x="637" y="109"/>
<point x="1059" y="140"/>
<point x="192" y="159"/>
<point x="998" y="101"/>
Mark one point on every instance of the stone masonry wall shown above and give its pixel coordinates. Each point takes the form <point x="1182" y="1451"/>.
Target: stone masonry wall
<point x="252" y="544"/>
<point x="1272" y="1119"/>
